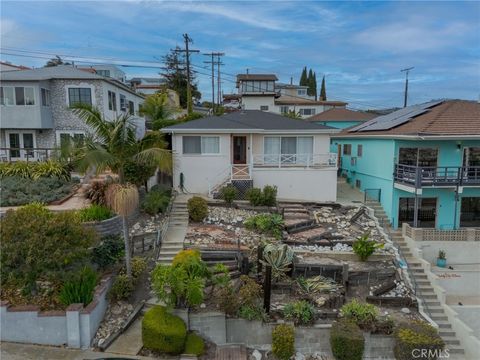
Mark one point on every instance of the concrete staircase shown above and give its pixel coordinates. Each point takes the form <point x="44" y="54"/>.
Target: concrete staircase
<point x="429" y="299"/>
<point x="177" y="229"/>
<point x="380" y="214"/>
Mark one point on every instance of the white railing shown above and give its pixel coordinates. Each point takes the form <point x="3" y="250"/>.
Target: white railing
<point x="240" y="172"/>
<point x="294" y="160"/>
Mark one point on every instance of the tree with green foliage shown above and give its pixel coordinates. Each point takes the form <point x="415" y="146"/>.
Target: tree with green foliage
<point x="315" y="85"/>
<point x="114" y="144"/>
<point x="303" y="77"/>
<point x="310" y="83"/>
<point x="323" y="90"/>
<point x="176" y="75"/>
<point x="158" y="110"/>
<point x="57" y="60"/>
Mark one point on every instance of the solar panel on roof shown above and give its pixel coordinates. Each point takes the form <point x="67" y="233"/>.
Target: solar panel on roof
<point x="399" y="117"/>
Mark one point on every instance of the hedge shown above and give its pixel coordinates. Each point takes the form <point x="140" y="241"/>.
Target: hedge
<point x="283" y="341"/>
<point x="346" y="341"/>
<point x="162" y="331"/>
<point x="417" y="335"/>
<point x="194" y="345"/>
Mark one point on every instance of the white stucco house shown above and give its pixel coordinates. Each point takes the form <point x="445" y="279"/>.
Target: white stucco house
<point x="253" y="148"/>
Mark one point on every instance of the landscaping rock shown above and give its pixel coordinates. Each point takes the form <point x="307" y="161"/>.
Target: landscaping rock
<point x="256" y="355"/>
<point x="406" y="310"/>
<point x="299" y="356"/>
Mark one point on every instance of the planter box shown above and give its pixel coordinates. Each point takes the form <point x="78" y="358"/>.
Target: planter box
<point x="74" y="327"/>
<point x="112" y="226"/>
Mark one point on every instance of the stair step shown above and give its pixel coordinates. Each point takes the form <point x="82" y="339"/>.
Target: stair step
<point x="432" y="303"/>
<point x="429" y="296"/>
<point x="443" y="333"/>
<point x="436" y="310"/>
<point x="443" y="324"/>
<point x="456" y="350"/>
<point x="451" y="340"/>
<point x="436" y="317"/>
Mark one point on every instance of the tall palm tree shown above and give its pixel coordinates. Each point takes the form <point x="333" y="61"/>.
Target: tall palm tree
<point x="123" y="199"/>
<point x="158" y="110"/>
<point x="114" y="144"/>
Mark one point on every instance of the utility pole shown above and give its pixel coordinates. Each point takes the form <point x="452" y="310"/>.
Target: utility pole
<point x="219" y="82"/>
<point x="214" y="62"/>
<point x="187" y="52"/>
<point x="407" y="70"/>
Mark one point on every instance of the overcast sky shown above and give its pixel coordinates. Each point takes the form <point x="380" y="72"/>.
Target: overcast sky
<point x="359" y="46"/>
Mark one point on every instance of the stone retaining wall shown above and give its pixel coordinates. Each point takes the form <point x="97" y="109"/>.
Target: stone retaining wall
<point x="75" y="327"/>
<point x="308" y="340"/>
<point x="112" y="226"/>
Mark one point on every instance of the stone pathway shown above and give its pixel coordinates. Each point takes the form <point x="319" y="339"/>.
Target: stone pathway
<point x="129" y="342"/>
<point x="176" y="232"/>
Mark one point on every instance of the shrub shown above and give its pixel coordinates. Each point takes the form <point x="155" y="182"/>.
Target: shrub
<point x="122" y="287"/>
<point x="362" y="314"/>
<point x="269" y="195"/>
<point x="252" y="312"/>
<point x="137" y="173"/>
<point x="384" y="325"/>
<point x="183" y="282"/>
<point x="227" y="300"/>
<point x="108" y="252"/>
<point x="35" y="170"/>
<point x="364" y="247"/>
<point x="155" y="202"/>
<point x="139" y="265"/>
<point x="250" y="292"/>
<point x="346" y="341"/>
<point x="96" y="192"/>
<point x="194" y="344"/>
<point x="416" y="335"/>
<point x="197" y="208"/>
<point x="16" y="190"/>
<point x="229" y="193"/>
<point x="270" y="224"/>
<point x="162" y="331"/>
<point x="254" y="195"/>
<point x="283" y="341"/>
<point x="80" y="288"/>
<point x="301" y="312"/>
<point x="95" y="213"/>
<point x="37" y="243"/>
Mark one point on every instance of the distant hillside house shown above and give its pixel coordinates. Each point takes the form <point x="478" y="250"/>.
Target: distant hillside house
<point x="105" y="70"/>
<point x="261" y="92"/>
<point x="341" y="118"/>
<point x="35" y="114"/>
<point x="7" y="66"/>
<point x="253" y="148"/>
<point x="422" y="163"/>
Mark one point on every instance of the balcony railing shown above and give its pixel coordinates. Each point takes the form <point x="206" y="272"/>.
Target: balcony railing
<point x="294" y="160"/>
<point x="26" y="154"/>
<point x="430" y="176"/>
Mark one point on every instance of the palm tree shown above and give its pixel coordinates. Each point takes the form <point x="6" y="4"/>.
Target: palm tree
<point x="114" y="144"/>
<point x="123" y="199"/>
<point x="158" y="110"/>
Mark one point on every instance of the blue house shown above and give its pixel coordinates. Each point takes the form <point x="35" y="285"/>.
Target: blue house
<point x="422" y="163"/>
<point x="341" y="118"/>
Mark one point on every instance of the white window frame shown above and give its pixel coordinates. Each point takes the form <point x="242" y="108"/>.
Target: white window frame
<point x="14" y="99"/>
<point x="15" y="95"/>
<point x="312" y="111"/>
<point x="83" y="85"/>
<point x="21" y="132"/>
<point x="201" y="145"/>
<point x="69" y="132"/>
<point x="48" y="97"/>
<point x="301" y="92"/>
<point x="285" y="136"/>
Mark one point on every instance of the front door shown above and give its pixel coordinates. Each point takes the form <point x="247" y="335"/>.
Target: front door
<point x="239" y="149"/>
<point x="21" y="145"/>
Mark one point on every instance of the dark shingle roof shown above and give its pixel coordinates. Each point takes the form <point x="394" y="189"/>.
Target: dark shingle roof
<point x="254" y="120"/>
<point x="271" y="77"/>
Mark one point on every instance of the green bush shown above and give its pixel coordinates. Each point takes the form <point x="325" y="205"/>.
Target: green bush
<point x="384" y="325"/>
<point x="139" y="265"/>
<point x="250" y="291"/>
<point x="301" y="312"/>
<point x="283" y="341"/>
<point x="122" y="287"/>
<point x="269" y="195"/>
<point x="364" y="247"/>
<point x="194" y="344"/>
<point x="363" y="314"/>
<point x="156" y="201"/>
<point x="108" y="252"/>
<point x="229" y="193"/>
<point x="346" y="341"/>
<point x="95" y="213"/>
<point x="80" y="288"/>
<point x="269" y="224"/>
<point x="250" y="312"/>
<point x="16" y="190"/>
<point x="254" y="196"/>
<point x="138" y="174"/>
<point x="164" y="332"/>
<point x="183" y="282"/>
<point x="35" y="170"/>
<point x="197" y="208"/>
<point x="416" y="335"/>
<point x="40" y="244"/>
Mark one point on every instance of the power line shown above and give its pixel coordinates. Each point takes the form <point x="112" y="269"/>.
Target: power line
<point x="214" y="62"/>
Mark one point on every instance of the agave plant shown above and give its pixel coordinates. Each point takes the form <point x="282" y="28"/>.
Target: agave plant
<point x="279" y="257"/>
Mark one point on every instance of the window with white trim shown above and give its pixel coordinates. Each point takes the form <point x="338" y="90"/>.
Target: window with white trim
<point x="264" y="107"/>
<point x="288" y="149"/>
<point x="112" y="101"/>
<point x="123" y="102"/>
<point x="307" y="112"/>
<point x="74" y="137"/>
<point x="7" y="95"/>
<point x="45" y="97"/>
<point x="17" y="95"/>
<point x="302" y="92"/>
<point x="131" y="107"/>
<point x="284" y="109"/>
<point x="201" y="144"/>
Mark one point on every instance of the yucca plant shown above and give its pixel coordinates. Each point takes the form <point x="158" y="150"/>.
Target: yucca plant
<point x="279" y="257"/>
<point x="80" y="288"/>
<point x="50" y="168"/>
<point x="123" y="200"/>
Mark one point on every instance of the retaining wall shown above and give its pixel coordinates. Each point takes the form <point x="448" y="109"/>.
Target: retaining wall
<point x="112" y="226"/>
<point x="308" y="340"/>
<point x="74" y="327"/>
